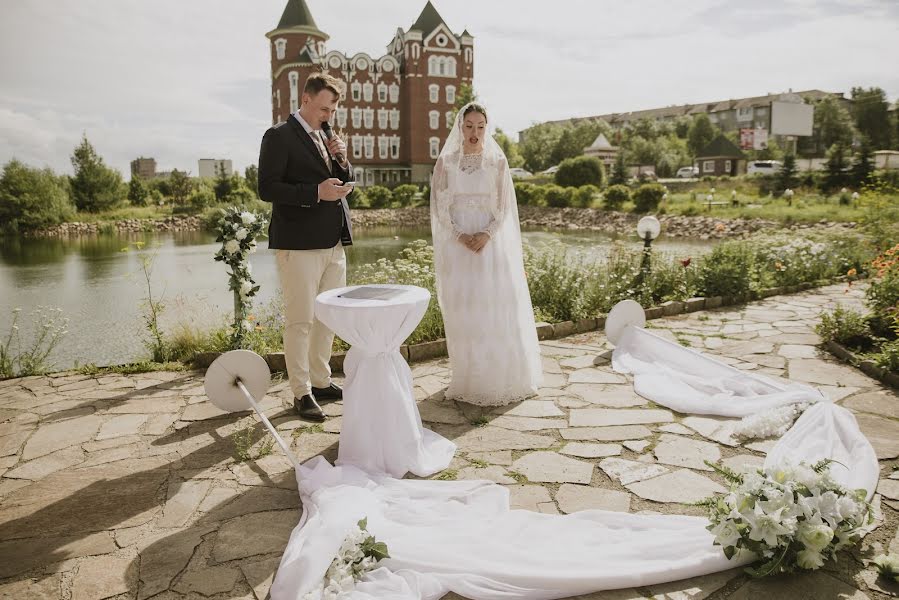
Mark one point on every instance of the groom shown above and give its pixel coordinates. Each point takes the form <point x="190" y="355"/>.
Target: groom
<point x="301" y="175"/>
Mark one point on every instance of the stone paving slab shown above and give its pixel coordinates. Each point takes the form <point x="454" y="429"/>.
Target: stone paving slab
<point x="133" y="486"/>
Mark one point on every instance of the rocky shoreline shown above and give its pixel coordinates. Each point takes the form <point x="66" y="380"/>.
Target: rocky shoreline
<point x="531" y="217"/>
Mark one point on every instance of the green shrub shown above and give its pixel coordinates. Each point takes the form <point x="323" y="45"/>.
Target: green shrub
<point x="888" y="357"/>
<point x="585" y="195"/>
<point x="647" y="197"/>
<point x="528" y="194"/>
<point x="727" y="270"/>
<point x="201" y="199"/>
<point x="557" y="196"/>
<point x="358" y="199"/>
<point x="844" y="326"/>
<point x="378" y="196"/>
<point x="582" y="170"/>
<point x="616" y="196"/>
<point x="404" y="195"/>
<point x="32" y="198"/>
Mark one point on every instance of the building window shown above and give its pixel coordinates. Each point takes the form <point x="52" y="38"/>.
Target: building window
<point x="416" y="51"/>
<point x="449" y="66"/>
<point x="294" y="79"/>
<point x="434" y="119"/>
<point x="382" y="118"/>
<point x="383" y="146"/>
<point x="369" y="177"/>
<point x="367" y="90"/>
<point x="395" y="147"/>
<point x="434" y="92"/>
<point x="435" y="147"/>
<point x="356" y="90"/>
<point x="341" y="117"/>
<point x="468" y="55"/>
<point x="744" y="114"/>
<point x="451" y="94"/>
<point x="394" y="93"/>
<point x="382" y="92"/>
<point x="394" y="118"/>
<point x="359" y="175"/>
<point x="708" y="166"/>
<point x="278" y="96"/>
<point x="356" y="115"/>
<point x="713" y="117"/>
<point x="280" y="48"/>
<point x="368" y="117"/>
<point x="369" y="146"/>
<point x="357" y="147"/>
<point x="727" y="166"/>
<point x="450" y="117"/>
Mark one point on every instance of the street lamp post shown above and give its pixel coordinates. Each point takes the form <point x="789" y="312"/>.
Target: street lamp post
<point x="648" y="229"/>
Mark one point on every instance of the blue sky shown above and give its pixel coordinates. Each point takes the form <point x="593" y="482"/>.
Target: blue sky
<point x="183" y="80"/>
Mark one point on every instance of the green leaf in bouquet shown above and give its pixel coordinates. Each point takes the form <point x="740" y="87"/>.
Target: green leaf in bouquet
<point x="363" y="523"/>
<point x="378" y="551"/>
<point x="770" y="567"/>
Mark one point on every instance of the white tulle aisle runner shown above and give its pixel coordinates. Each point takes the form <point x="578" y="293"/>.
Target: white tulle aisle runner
<point x="461" y="536"/>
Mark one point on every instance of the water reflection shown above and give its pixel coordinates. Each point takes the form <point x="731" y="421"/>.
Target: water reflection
<point x="101" y="288"/>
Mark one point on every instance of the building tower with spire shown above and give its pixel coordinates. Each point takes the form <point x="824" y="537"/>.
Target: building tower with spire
<point x="395" y="110"/>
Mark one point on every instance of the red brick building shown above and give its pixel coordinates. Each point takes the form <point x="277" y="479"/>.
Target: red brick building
<point x="396" y="109"/>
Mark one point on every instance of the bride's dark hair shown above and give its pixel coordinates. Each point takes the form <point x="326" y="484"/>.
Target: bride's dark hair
<point x="474" y="107"/>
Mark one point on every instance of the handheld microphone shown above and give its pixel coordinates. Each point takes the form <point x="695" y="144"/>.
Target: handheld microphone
<point x="326" y="129"/>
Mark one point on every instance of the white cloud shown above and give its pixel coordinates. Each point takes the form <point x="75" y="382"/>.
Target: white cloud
<point x="184" y="80"/>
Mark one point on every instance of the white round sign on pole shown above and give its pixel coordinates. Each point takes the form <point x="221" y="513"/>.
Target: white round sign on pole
<point x="229" y="368"/>
<point x="622" y="315"/>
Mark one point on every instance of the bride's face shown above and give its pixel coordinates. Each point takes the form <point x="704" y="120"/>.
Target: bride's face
<point x="474" y="128"/>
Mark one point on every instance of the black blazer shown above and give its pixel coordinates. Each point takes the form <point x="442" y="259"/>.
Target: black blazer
<point x="290" y="169"/>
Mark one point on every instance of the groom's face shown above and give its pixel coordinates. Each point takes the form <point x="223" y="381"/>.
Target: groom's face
<point x="318" y="108"/>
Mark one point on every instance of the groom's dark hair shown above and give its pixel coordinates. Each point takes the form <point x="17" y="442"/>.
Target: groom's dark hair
<point x="321" y="81"/>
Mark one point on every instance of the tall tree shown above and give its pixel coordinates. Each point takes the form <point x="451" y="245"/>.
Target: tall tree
<point x="619" y="171"/>
<point x="464" y="95"/>
<point x="223" y="185"/>
<point x="137" y="191"/>
<point x="32" y="199"/>
<point x="251" y="174"/>
<point x="861" y="166"/>
<point x="832" y="125"/>
<point x="872" y="117"/>
<point x="95" y="186"/>
<point x="510" y="148"/>
<point x="701" y="133"/>
<point x="537" y="145"/>
<point x="180" y="186"/>
<point x="835" y="169"/>
<point x="786" y="177"/>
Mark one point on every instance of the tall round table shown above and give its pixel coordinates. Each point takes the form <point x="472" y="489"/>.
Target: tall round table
<point x="382" y="430"/>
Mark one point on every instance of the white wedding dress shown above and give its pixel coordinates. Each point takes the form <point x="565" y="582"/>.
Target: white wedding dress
<point x="490" y="332"/>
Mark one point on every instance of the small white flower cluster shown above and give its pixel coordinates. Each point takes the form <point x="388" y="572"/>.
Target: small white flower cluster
<point x="770" y="423"/>
<point x="358" y="554"/>
<point x="790" y="516"/>
<point x="888" y="566"/>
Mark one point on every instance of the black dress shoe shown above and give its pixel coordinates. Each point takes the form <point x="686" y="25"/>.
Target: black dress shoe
<point x="332" y="392"/>
<point x="309" y="409"/>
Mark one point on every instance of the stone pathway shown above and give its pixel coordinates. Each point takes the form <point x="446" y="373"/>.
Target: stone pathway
<point x="128" y="487"/>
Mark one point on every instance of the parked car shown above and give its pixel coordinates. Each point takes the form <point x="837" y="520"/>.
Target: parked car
<point x="644" y="176"/>
<point x="519" y="173"/>
<point x="688" y="172"/>
<point x="763" y="167"/>
<point x="550" y="171"/>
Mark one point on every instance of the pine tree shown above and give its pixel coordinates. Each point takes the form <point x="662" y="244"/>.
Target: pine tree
<point x="835" y="168"/>
<point x="786" y="177"/>
<point x="619" y="171"/>
<point x="862" y="167"/>
<point x="137" y="191"/>
<point x="95" y="186"/>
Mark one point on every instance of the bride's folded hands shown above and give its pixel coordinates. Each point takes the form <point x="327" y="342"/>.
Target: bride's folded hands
<point x="475" y="242"/>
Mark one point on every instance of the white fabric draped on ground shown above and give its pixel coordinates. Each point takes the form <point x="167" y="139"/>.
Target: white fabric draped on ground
<point x="461" y="536"/>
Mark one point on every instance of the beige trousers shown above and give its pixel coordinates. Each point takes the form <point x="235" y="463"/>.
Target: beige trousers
<point x="307" y="342"/>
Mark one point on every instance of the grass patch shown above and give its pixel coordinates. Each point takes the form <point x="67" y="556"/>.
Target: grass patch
<point x="244" y="440"/>
<point x="145" y="366"/>
<point x="518" y="477"/>
<point x="448" y="475"/>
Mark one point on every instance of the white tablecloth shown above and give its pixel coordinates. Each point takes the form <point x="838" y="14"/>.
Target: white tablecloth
<point x="382" y="430"/>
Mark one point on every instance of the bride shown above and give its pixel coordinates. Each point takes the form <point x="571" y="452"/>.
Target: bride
<point x="490" y="332"/>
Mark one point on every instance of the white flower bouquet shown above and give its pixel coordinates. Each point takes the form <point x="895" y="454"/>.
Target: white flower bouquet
<point x="359" y="553"/>
<point x="237" y="233"/>
<point x="789" y="517"/>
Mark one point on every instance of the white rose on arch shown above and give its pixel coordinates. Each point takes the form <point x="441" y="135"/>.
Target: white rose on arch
<point x="248" y="218"/>
<point x="245" y="288"/>
<point x="241" y="234"/>
<point x="232" y="246"/>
